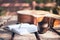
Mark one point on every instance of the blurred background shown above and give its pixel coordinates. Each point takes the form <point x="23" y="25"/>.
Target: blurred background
<point x="10" y="7"/>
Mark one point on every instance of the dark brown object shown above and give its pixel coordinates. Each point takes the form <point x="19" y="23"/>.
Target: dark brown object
<point x="41" y="24"/>
<point x="1" y="25"/>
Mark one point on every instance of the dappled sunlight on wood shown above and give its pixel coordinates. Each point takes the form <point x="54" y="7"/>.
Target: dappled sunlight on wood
<point x="14" y="4"/>
<point x="6" y="4"/>
<point x="17" y="4"/>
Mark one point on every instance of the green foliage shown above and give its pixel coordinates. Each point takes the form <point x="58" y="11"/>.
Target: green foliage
<point x="2" y="11"/>
<point x="38" y="1"/>
<point x="28" y="1"/>
<point x="1" y="8"/>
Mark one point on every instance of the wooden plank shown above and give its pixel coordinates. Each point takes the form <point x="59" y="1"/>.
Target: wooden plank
<point x="5" y="35"/>
<point x="49" y="35"/>
<point x="25" y="37"/>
